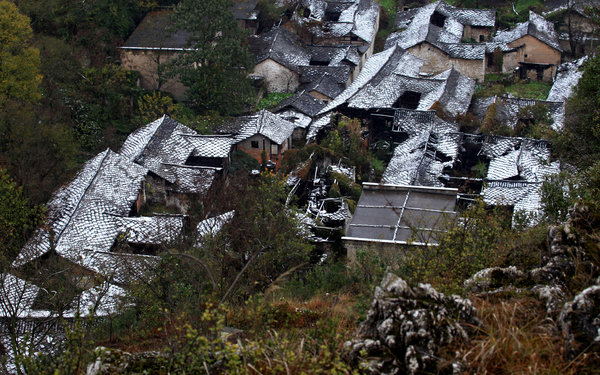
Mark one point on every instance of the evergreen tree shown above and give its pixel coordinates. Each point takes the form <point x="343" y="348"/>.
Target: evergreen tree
<point x="214" y="68"/>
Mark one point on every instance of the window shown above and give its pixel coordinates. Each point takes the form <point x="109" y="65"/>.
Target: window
<point x="254" y="144"/>
<point x="332" y="16"/>
<point x="481" y="38"/>
<point x="314" y="61"/>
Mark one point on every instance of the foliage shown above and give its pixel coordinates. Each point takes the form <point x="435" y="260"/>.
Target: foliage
<point x="272" y="100"/>
<point x="18" y="218"/>
<point x="20" y="68"/>
<point x="533" y="89"/>
<point x="268" y="15"/>
<point x="466" y="244"/>
<point x="491" y="125"/>
<point x="240" y="161"/>
<point x="345" y="142"/>
<point x="535" y="122"/>
<point x="214" y="68"/>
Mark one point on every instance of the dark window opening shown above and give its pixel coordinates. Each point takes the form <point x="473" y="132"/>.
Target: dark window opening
<point x="540" y="74"/>
<point x="306" y="12"/>
<point x="254" y="144"/>
<point x="408" y="100"/>
<point x="437" y="19"/>
<point x="353" y="38"/>
<point x="332" y="16"/>
<point x="318" y="62"/>
<point x="526" y="55"/>
<point x="405" y="9"/>
<point x="481" y="38"/>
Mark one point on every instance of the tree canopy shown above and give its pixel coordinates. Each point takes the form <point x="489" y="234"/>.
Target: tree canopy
<point x="19" y="62"/>
<point x="215" y="65"/>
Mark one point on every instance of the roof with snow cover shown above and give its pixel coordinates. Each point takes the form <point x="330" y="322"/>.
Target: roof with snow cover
<point x="280" y="46"/>
<point x="354" y="18"/>
<point x="263" y="123"/>
<point x="537" y="26"/>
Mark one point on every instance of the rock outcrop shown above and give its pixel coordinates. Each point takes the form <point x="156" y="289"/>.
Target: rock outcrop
<point x="405" y="327"/>
<point x="115" y="361"/>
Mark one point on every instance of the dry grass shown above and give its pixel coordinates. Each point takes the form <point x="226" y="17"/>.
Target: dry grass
<point x="518" y="338"/>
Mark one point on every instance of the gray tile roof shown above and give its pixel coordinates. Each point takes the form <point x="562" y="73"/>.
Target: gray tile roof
<point x="507" y="110"/>
<point x="431" y="147"/>
<point x="210" y="146"/>
<point x="159" y="143"/>
<point x="155" y="229"/>
<point x="378" y="67"/>
<point x="553" y="6"/>
<point x="264" y="123"/>
<point x="567" y="77"/>
<point x="334" y="55"/>
<point x="326" y="85"/>
<point x="451" y="89"/>
<point x="153" y="33"/>
<point x="302" y="102"/>
<point x="537" y="26"/>
<point x="81" y="215"/>
<point x="212" y="226"/>
<point x="515" y="175"/>
<point x="357" y="18"/>
<point x="280" y="46"/>
<point x="415" y="27"/>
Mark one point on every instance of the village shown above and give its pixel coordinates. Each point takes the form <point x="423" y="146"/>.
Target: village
<point x="430" y="103"/>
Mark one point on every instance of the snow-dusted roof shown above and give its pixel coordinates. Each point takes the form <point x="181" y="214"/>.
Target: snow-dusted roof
<point x="280" y="46"/>
<point x="192" y="179"/>
<point x="156" y="229"/>
<point x="415" y="26"/>
<point x="335" y="55"/>
<point x="431" y="147"/>
<point x="302" y="102"/>
<point x="537" y="26"/>
<point x="212" y="226"/>
<point x="451" y="89"/>
<point x="210" y="146"/>
<point x="264" y="123"/>
<point x="390" y="61"/>
<point x="567" y="77"/>
<point x="81" y="215"/>
<point x="515" y="175"/>
<point x="553" y="6"/>
<point x="159" y="143"/>
<point x="356" y="18"/>
<point x="326" y="85"/>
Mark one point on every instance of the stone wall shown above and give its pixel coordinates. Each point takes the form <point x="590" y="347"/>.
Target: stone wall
<point x="145" y="62"/>
<point x="277" y="78"/>
<point x="437" y="61"/>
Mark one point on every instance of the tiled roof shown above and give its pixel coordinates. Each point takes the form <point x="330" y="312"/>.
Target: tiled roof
<point x="302" y="102"/>
<point x="357" y="18"/>
<point x="280" y="46"/>
<point x="212" y="226"/>
<point x="553" y="6"/>
<point x="264" y="123"/>
<point x="338" y="74"/>
<point x="567" y="77"/>
<point x="515" y="176"/>
<point x="379" y="66"/>
<point x="415" y="27"/>
<point x="334" y="55"/>
<point x="210" y="146"/>
<point x="156" y="229"/>
<point x="326" y="85"/>
<point x="451" y="89"/>
<point x="153" y="33"/>
<point x="192" y="179"/>
<point x="537" y="26"/>
<point x="507" y="110"/>
<point x="157" y="144"/>
<point x="420" y="159"/>
<point x="81" y="215"/>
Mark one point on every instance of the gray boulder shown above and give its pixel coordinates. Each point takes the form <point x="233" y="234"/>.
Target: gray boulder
<point x="406" y="325"/>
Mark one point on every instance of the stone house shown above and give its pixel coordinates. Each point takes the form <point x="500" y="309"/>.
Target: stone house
<point x="532" y="47"/>
<point x="149" y="45"/>
<point x="279" y="55"/>
<point x="576" y="30"/>
<point x="263" y="133"/>
<point x="445" y="37"/>
<point x="152" y="43"/>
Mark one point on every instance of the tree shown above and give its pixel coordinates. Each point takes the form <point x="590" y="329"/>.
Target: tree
<point x="214" y="67"/>
<point x="19" y="62"/>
